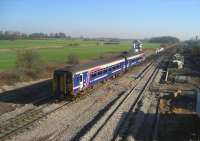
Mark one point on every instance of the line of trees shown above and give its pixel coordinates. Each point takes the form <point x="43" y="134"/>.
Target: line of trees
<point x="164" y="39"/>
<point x="13" y="35"/>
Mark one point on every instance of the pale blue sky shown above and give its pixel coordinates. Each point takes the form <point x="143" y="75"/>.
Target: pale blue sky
<point x="103" y="18"/>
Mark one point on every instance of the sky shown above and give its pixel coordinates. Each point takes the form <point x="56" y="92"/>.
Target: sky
<point x="103" y="18"/>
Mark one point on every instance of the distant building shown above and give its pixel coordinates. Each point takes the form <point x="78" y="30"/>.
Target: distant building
<point x="136" y="46"/>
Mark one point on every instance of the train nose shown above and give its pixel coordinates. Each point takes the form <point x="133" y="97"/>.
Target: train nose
<point x="59" y="85"/>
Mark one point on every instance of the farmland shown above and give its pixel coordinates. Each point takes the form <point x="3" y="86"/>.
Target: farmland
<point x="57" y="51"/>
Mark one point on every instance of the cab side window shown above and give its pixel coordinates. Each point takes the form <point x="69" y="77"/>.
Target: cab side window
<point x="81" y="78"/>
<point x="77" y="79"/>
<point x="100" y="73"/>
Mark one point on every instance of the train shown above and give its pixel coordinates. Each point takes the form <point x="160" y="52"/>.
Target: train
<point x="71" y="81"/>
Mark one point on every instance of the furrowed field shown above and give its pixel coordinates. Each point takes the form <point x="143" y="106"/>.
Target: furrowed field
<point x="57" y="51"/>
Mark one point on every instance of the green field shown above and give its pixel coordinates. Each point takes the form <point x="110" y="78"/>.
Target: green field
<point x="57" y="51"/>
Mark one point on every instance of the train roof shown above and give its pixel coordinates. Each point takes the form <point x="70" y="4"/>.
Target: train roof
<point x="95" y="63"/>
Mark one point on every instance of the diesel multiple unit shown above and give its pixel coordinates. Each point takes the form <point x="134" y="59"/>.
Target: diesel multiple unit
<point x="70" y="81"/>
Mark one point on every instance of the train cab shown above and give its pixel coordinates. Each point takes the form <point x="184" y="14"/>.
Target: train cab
<point x="62" y="83"/>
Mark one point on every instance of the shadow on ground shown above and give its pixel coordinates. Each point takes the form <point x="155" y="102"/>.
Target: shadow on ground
<point x="171" y="127"/>
<point x="27" y="94"/>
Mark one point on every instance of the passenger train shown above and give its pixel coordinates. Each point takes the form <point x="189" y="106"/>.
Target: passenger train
<point x="70" y="81"/>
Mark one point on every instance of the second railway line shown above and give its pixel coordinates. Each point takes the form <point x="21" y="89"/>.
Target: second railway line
<point x="111" y="123"/>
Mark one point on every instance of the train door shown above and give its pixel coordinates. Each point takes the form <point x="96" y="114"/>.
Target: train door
<point x="59" y="84"/>
<point x="81" y="81"/>
<point x="126" y="63"/>
<point x="63" y="84"/>
<point x="85" y="79"/>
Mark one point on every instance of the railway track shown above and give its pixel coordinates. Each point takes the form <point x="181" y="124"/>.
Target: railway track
<point x="103" y="128"/>
<point x="129" y="127"/>
<point x="22" y="121"/>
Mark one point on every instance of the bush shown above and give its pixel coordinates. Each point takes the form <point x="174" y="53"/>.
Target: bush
<point x="9" y="77"/>
<point x="28" y="63"/>
<point x="73" y="58"/>
<point x="73" y="44"/>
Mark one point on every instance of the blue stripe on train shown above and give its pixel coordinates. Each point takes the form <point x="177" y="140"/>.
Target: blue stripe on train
<point x="107" y="75"/>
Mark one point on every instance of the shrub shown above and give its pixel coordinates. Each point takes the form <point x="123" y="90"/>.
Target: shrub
<point x="9" y="77"/>
<point x="28" y="63"/>
<point x="73" y="58"/>
<point x="73" y="44"/>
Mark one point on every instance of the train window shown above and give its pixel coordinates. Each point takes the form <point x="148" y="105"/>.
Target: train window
<point x="105" y="71"/>
<point x="109" y="69"/>
<point x="100" y="72"/>
<point x="81" y="78"/>
<point x="94" y="75"/>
